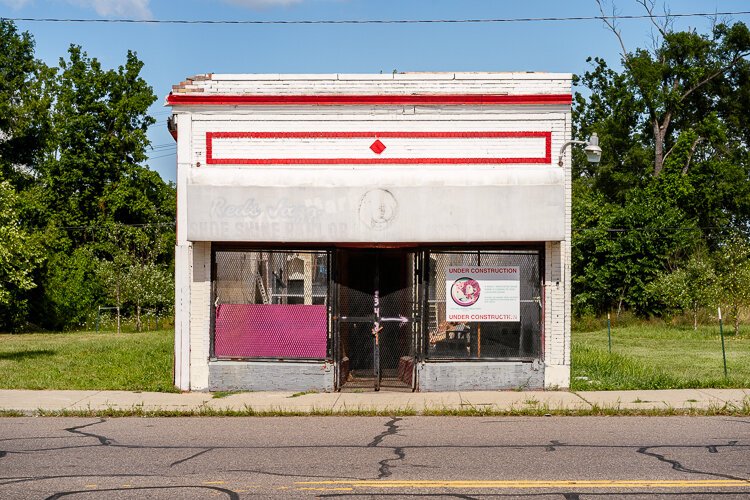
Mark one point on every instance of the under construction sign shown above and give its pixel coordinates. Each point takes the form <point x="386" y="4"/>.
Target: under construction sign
<point x="483" y="293"/>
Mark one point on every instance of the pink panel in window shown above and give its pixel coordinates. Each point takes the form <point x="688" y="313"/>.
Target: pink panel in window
<point x="271" y="331"/>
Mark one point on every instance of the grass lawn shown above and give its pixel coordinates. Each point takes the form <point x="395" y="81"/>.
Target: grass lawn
<point x="87" y="360"/>
<point x="643" y="356"/>
<point x="659" y="357"/>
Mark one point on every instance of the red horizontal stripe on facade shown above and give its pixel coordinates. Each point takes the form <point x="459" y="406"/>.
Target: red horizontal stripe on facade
<point x="210" y="136"/>
<point x="374" y="135"/>
<point x="365" y="100"/>
<point x="370" y="161"/>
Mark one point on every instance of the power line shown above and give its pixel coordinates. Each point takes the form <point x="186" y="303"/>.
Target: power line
<point x="616" y="230"/>
<point x="162" y="156"/>
<point x="118" y="224"/>
<point x="374" y="21"/>
<point x="608" y="229"/>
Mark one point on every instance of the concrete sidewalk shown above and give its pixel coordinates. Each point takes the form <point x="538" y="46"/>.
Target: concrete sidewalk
<point x="703" y="399"/>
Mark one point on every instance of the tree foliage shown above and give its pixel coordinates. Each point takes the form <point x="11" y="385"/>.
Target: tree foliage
<point x="675" y="165"/>
<point x="24" y="106"/>
<point x="691" y="287"/>
<point x="733" y="266"/>
<point x="100" y="123"/>
<point x="74" y="185"/>
<point x="20" y="255"/>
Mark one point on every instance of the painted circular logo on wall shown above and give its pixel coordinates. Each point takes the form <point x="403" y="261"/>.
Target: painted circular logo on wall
<point x="378" y="208"/>
<point x="465" y="291"/>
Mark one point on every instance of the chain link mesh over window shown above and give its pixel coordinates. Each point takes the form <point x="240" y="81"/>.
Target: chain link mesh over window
<point x="480" y="340"/>
<point x="271" y="304"/>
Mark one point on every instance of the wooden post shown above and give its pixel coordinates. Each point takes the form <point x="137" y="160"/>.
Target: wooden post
<point x="723" y="349"/>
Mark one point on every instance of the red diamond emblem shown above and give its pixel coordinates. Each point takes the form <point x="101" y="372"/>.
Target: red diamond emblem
<point x="377" y="147"/>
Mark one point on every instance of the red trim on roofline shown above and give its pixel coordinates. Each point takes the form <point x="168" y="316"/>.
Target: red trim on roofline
<point x="366" y="100"/>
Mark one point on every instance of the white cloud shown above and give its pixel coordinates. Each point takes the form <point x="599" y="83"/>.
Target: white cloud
<point x="260" y="4"/>
<point x="138" y="9"/>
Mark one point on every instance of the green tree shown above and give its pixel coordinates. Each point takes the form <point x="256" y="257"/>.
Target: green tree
<point x="71" y="291"/>
<point x="675" y="165"/>
<point x="691" y="287"/>
<point x="147" y="284"/>
<point x="73" y="149"/>
<point x="733" y="269"/>
<point x="24" y="106"/>
<point x="615" y="113"/>
<point x="100" y="122"/>
<point x="679" y="81"/>
<point x="134" y="276"/>
<point x="20" y="255"/>
<point x="99" y="197"/>
<point x="112" y="276"/>
<point x="619" y="250"/>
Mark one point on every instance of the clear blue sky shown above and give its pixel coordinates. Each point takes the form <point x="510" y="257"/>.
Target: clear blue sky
<point x="173" y="52"/>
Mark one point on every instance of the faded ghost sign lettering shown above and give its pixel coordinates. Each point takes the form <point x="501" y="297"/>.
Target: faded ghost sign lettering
<point x="283" y="209"/>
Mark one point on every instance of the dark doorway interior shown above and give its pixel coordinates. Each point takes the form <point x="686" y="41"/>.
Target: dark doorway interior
<point x="377" y="308"/>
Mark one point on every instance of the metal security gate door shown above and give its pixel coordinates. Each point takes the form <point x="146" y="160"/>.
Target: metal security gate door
<point x="377" y="319"/>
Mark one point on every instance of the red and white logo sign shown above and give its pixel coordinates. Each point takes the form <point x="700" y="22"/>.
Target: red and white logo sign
<point x="483" y="293"/>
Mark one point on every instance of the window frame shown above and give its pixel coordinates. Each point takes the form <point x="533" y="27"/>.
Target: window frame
<point x="275" y="248"/>
<point x="508" y="249"/>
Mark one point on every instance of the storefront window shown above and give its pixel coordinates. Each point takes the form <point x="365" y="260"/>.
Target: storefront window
<point x="270" y="304"/>
<point x="484" y="305"/>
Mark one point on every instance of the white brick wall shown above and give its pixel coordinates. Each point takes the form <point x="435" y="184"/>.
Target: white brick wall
<point x="200" y="320"/>
<point x="183" y="273"/>
<point x="558" y="303"/>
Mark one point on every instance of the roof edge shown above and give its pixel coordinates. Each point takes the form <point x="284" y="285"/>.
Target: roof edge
<point x="181" y="99"/>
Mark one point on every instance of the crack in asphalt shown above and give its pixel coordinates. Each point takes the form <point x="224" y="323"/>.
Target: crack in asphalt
<point x="102" y="439"/>
<point x="229" y="493"/>
<point x="290" y="475"/>
<point x="26" y="479"/>
<point x="553" y="443"/>
<point x="385" y="467"/>
<point x="676" y="465"/>
<point x="178" y="462"/>
<point x="392" y="429"/>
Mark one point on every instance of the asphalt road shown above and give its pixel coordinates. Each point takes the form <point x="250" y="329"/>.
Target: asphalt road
<point x="375" y="457"/>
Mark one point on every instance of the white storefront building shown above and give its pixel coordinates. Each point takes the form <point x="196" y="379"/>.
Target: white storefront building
<point x="392" y="232"/>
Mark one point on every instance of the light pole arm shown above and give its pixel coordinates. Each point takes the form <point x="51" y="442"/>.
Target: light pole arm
<point x="562" y="150"/>
<point x="592" y="149"/>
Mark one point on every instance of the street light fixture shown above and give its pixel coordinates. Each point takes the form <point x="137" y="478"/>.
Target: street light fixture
<point x="592" y="149"/>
